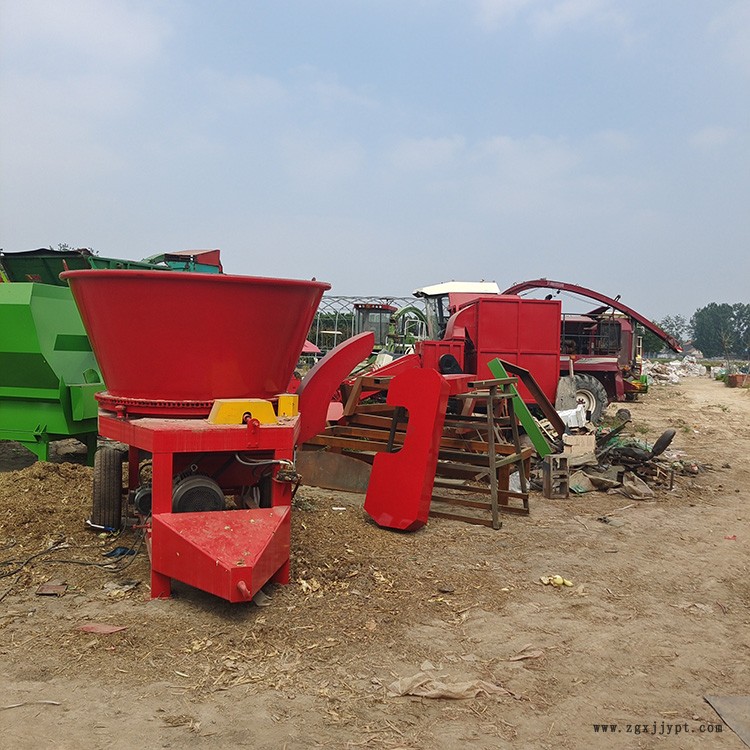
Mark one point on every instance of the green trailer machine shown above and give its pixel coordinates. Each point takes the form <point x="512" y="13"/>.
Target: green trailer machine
<point x="48" y="373"/>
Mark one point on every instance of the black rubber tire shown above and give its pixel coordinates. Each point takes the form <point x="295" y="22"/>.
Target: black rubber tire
<point x="663" y="442"/>
<point x="106" y="510"/>
<point x="591" y="392"/>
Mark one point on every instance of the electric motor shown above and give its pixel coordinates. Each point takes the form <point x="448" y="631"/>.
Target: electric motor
<point x="142" y="499"/>
<point x="197" y="493"/>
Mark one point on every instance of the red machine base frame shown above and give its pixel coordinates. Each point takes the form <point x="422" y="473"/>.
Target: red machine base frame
<point x="231" y="553"/>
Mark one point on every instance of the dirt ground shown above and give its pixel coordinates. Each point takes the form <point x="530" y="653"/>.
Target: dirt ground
<point x="657" y="617"/>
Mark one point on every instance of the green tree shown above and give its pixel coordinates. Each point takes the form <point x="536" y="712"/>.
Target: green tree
<point x="741" y="314"/>
<point x="674" y="325"/>
<point x="652" y="344"/>
<point x="677" y="326"/>
<point x="714" y="330"/>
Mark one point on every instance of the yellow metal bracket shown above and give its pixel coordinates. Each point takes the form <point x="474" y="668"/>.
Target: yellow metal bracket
<point x="238" y="410"/>
<point x="288" y="405"/>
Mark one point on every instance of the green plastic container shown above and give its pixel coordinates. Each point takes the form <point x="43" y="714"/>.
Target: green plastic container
<point x="48" y="373"/>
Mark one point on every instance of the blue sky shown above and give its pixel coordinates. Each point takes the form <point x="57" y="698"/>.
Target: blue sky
<point x="383" y="145"/>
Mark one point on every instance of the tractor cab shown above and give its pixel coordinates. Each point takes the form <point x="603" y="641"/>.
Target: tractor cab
<point x="442" y="300"/>
<point x="375" y="317"/>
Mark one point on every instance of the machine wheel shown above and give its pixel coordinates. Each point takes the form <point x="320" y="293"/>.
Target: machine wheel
<point x="590" y="392"/>
<point x="106" y="508"/>
<point x="663" y="442"/>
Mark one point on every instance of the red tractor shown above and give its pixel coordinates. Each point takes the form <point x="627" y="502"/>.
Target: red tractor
<point x="474" y="322"/>
<point x="604" y="346"/>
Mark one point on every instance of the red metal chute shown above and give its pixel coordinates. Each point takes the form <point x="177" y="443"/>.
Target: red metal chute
<point x="614" y="303"/>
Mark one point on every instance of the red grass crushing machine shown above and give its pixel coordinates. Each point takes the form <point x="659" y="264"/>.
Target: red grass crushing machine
<point x="197" y="368"/>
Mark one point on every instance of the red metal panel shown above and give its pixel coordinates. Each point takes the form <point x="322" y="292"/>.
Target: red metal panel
<point x="457" y="300"/>
<point x="521" y="331"/>
<point x="458" y="383"/>
<point x="231" y="554"/>
<point x="517" y="330"/>
<point x="462" y="324"/>
<point x="192" y="336"/>
<point x="498" y="324"/>
<point x="197" y="435"/>
<point x="431" y="351"/>
<point x="400" y="488"/>
<point x="539" y="325"/>
<point x="317" y="389"/>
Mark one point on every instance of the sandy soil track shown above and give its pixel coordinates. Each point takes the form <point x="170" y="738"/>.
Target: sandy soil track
<point x="658" y="617"/>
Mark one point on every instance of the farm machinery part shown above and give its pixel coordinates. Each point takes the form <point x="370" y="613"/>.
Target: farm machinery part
<point x="44" y="266"/>
<point x="438" y="458"/>
<point x="375" y="317"/>
<point x="607" y="302"/>
<point x="212" y="417"/>
<point x="195" y="463"/>
<point x="603" y="345"/>
<point x="48" y="371"/>
<point x="591" y="359"/>
<point x="396" y="330"/>
<point x="486" y="326"/>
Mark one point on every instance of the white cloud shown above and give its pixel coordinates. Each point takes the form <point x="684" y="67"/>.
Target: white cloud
<point x="487" y="179"/>
<point x="615" y="140"/>
<point x="712" y="136"/>
<point x="48" y="128"/>
<point x="570" y="13"/>
<point x="71" y="74"/>
<point x="532" y="182"/>
<point x="76" y="98"/>
<point x="313" y="166"/>
<point x="107" y="31"/>
<point x="331" y="92"/>
<point x="328" y="90"/>
<point x="733" y="28"/>
<point x="530" y="159"/>
<point x="426" y="153"/>
<point x="550" y="18"/>
<point x="236" y="91"/>
<point x="492" y="14"/>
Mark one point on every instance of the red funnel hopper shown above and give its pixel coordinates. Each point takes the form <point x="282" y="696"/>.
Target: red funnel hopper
<point x="168" y="336"/>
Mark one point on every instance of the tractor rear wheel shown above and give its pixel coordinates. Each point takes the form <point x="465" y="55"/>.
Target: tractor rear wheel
<point x="106" y="511"/>
<point x="591" y="393"/>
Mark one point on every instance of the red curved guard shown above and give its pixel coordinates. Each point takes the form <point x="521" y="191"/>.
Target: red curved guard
<point x="400" y="488"/>
<point x="319" y="385"/>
